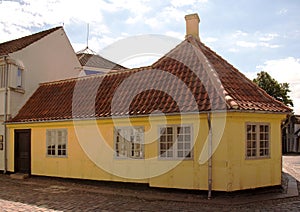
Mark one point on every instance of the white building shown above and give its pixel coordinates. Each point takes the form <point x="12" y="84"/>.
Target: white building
<point x="26" y="62"/>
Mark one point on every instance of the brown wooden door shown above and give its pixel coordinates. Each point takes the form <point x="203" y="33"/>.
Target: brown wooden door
<point x="22" y="151"/>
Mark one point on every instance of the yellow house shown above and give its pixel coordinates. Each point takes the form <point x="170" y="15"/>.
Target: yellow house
<point x="190" y="120"/>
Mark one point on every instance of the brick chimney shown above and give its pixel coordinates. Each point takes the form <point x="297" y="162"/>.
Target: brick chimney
<point x="192" y="25"/>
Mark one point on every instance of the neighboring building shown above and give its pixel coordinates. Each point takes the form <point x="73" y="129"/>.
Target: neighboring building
<point x="156" y="125"/>
<point x="28" y="61"/>
<point x="291" y="134"/>
<point x="93" y="63"/>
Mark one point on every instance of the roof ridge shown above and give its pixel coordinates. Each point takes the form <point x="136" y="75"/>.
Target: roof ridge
<point x="26" y="36"/>
<point x="22" y="42"/>
<point x="97" y="60"/>
<point x="243" y="76"/>
<point x="112" y="72"/>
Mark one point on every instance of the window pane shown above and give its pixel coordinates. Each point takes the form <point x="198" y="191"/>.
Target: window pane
<point x="258" y="137"/>
<point x="180" y="138"/>
<point x="261" y="128"/>
<point x="56" y="140"/>
<point x="169" y="154"/>
<point x="248" y="153"/>
<point x="129" y="142"/>
<point x="179" y="134"/>
<point x="266" y="128"/>
<point x="179" y="130"/>
<point x="248" y="136"/>
<point x="187" y="137"/>
<point x="187" y="130"/>
<point x="187" y="146"/>
<point x="180" y="145"/>
<point x="188" y="154"/>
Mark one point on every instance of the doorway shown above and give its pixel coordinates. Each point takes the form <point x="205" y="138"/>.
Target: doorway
<point x="23" y="151"/>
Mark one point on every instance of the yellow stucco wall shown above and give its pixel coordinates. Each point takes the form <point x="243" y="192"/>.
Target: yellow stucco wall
<point x="231" y="171"/>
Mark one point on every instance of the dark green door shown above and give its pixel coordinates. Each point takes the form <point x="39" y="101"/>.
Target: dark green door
<point x="22" y="151"/>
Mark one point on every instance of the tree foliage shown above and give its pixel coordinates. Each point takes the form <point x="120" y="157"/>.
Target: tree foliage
<point x="277" y="90"/>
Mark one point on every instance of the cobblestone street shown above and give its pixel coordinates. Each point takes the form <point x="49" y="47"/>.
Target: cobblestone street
<point x="52" y="194"/>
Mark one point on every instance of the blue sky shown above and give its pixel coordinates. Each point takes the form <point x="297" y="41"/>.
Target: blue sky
<point x="253" y="35"/>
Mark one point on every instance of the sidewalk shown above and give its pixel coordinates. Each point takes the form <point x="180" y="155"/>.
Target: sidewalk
<point x="56" y="185"/>
<point x="46" y="194"/>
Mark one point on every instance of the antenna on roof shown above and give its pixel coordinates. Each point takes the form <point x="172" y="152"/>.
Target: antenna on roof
<point x="86" y="50"/>
<point x="87" y="36"/>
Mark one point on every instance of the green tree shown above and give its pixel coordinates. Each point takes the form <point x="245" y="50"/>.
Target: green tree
<point x="275" y="89"/>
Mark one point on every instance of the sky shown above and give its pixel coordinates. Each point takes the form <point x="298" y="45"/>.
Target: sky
<point x="252" y="35"/>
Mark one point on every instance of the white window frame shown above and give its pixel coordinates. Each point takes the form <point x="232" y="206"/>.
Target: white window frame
<point x="129" y="142"/>
<point x="258" y="143"/>
<point x="178" y="150"/>
<point x="57" y="142"/>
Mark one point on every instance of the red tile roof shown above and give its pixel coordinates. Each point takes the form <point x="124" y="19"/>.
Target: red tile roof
<point x="97" y="61"/>
<point x="20" y="43"/>
<point x="190" y="78"/>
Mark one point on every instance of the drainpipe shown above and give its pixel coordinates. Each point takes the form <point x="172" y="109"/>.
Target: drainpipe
<point x="5" y="115"/>
<point x="209" y="155"/>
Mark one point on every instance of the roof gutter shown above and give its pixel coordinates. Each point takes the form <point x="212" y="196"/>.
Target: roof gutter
<point x="139" y="116"/>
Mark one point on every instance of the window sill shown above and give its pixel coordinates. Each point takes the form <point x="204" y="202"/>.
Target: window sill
<point x="55" y="156"/>
<point x="178" y="159"/>
<point x="18" y="90"/>
<point x="127" y="158"/>
<point x="257" y="158"/>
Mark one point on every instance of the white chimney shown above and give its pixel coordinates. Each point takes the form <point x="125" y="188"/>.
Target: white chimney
<point x="192" y="25"/>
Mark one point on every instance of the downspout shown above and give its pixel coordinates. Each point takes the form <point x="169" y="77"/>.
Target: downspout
<point x="209" y="149"/>
<point x="5" y="115"/>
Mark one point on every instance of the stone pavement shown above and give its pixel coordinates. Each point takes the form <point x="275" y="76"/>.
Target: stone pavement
<point x="291" y="164"/>
<point x="53" y="194"/>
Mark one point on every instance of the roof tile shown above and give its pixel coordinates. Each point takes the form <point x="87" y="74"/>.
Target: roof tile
<point x="190" y="78"/>
<point x="93" y="60"/>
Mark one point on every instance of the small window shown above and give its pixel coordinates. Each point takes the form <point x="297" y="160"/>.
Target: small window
<point x="257" y="140"/>
<point x="2" y="75"/>
<point x="57" y="142"/>
<point x="19" y="81"/>
<point x="129" y="142"/>
<point x="175" y="142"/>
<point x="1" y="142"/>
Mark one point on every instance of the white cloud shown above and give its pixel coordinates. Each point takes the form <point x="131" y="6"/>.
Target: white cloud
<point x="254" y="40"/>
<point x="234" y="50"/>
<point x="283" y="11"/>
<point x="239" y="33"/>
<point x="246" y="44"/>
<point x="181" y="3"/>
<point x="268" y="45"/>
<point x="21" y="17"/>
<point x="134" y="7"/>
<point x="140" y="61"/>
<point x="153" y="22"/>
<point x="268" y="37"/>
<point x="210" y="40"/>
<point x="285" y="70"/>
<point x="174" y="34"/>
